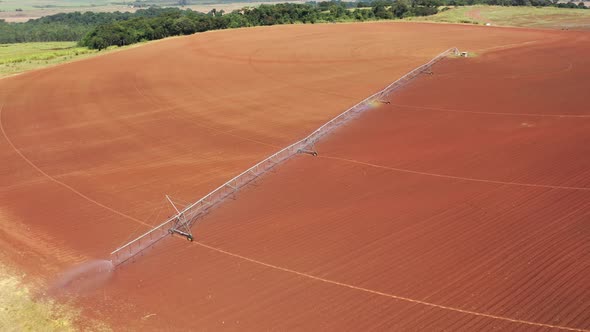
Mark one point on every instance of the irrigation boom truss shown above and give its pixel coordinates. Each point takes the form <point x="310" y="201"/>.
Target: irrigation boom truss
<point x="184" y="219"/>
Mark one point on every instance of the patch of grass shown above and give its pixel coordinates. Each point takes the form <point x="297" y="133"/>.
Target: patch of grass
<point x="18" y="58"/>
<point x="20" y="311"/>
<point x="12" y="5"/>
<point x="535" y="17"/>
<point x="35" y="4"/>
<point x="542" y="17"/>
<point x="451" y="15"/>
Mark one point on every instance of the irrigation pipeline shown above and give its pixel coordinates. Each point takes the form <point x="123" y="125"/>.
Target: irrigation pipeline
<point x="381" y="93"/>
<point x="187" y="217"/>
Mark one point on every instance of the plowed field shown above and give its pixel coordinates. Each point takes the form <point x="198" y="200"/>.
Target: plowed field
<point x="461" y="205"/>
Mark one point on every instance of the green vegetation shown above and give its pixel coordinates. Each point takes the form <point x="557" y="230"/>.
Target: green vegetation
<point x="26" y="46"/>
<point x="173" y="22"/>
<point x="12" y="5"/>
<point x="546" y="17"/>
<point x="17" y="58"/>
<point x="539" y="17"/>
<point x="450" y="15"/>
<point x="155" y="22"/>
<point x="20" y="311"/>
<point x="98" y="31"/>
<point x="66" y="27"/>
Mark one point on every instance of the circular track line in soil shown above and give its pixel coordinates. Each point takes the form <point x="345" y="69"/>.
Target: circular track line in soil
<point x="403" y="170"/>
<point x="51" y="178"/>
<point x="439" y="109"/>
<point x="302" y="274"/>
<point x="391" y="296"/>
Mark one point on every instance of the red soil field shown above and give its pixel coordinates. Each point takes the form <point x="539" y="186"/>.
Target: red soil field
<point x="459" y="198"/>
<point x="91" y="147"/>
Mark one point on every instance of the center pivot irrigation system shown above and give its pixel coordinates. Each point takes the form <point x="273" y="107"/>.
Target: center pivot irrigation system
<point x="182" y="222"/>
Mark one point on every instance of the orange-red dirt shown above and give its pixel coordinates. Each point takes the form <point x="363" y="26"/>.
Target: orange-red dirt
<point x="434" y="212"/>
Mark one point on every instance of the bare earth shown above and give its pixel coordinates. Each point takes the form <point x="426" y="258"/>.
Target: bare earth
<point x="475" y="14"/>
<point x="420" y="216"/>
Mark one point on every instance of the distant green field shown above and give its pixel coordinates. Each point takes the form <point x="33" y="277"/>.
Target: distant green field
<point x="33" y="9"/>
<point x="17" y="58"/>
<point x="11" y="5"/>
<point x="542" y="17"/>
<point x="41" y="4"/>
<point x="452" y="15"/>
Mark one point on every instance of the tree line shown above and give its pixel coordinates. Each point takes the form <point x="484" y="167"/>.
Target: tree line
<point x="100" y="30"/>
<point x="184" y="22"/>
<point x="67" y="26"/>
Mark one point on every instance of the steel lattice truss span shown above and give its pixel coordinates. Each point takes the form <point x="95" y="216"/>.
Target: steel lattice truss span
<point x="182" y="222"/>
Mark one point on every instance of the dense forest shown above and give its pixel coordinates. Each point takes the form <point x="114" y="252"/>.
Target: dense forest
<point x="100" y="30"/>
<point x="177" y="22"/>
<point x="183" y="22"/>
<point x="67" y="27"/>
